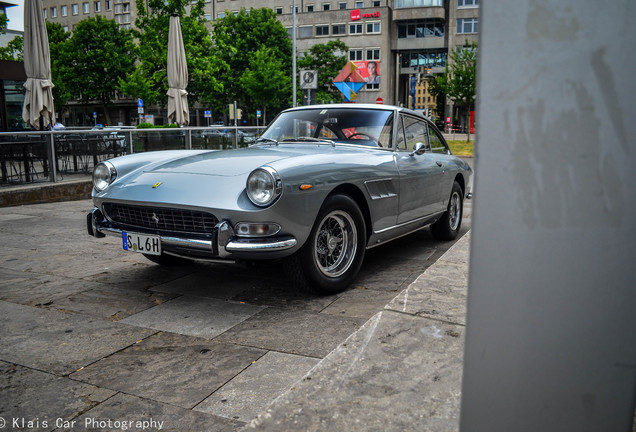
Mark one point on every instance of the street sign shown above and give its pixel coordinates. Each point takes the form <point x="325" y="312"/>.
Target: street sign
<point x="258" y="113"/>
<point x="140" y="103"/>
<point x="94" y="114"/>
<point x="207" y="114"/>
<point x="379" y="101"/>
<point x="309" y="79"/>
<point x="140" y="110"/>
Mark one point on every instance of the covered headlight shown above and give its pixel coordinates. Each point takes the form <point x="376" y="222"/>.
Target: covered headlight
<point x="263" y="186"/>
<point x="103" y="175"/>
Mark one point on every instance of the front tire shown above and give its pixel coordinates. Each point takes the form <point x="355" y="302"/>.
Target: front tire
<point x="332" y="255"/>
<point x="447" y="227"/>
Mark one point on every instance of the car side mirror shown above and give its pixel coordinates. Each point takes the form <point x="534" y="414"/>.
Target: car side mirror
<point x="419" y="149"/>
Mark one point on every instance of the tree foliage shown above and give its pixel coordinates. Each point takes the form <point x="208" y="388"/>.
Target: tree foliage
<point x="328" y="59"/>
<point x="459" y="80"/>
<point x="238" y="38"/>
<point x="57" y="39"/>
<point x="149" y="80"/>
<point x="91" y="61"/>
<point x="266" y="81"/>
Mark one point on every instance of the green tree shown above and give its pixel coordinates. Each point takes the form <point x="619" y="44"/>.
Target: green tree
<point x="266" y="81"/>
<point x="459" y="79"/>
<point x="91" y="61"/>
<point x="328" y="59"/>
<point x="57" y="38"/>
<point x="149" y="80"/>
<point x="13" y="50"/>
<point x="238" y="37"/>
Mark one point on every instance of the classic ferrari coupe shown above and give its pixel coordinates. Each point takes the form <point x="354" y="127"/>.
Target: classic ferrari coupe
<point x="320" y="186"/>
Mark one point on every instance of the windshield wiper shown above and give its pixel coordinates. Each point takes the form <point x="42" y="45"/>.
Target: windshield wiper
<point x="268" y="140"/>
<point x="309" y="139"/>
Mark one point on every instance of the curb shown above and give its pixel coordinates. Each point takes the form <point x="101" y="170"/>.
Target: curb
<point x="45" y="193"/>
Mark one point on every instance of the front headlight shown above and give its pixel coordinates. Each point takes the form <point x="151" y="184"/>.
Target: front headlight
<point x="103" y="175"/>
<point x="264" y="186"/>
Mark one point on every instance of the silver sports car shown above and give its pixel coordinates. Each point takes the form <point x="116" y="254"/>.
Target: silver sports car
<point x="320" y="186"/>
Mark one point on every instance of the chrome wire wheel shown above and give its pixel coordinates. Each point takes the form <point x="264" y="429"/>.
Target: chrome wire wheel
<point x="454" y="211"/>
<point x="335" y="244"/>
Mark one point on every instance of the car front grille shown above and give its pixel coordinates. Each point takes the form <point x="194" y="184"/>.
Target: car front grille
<point x="161" y="219"/>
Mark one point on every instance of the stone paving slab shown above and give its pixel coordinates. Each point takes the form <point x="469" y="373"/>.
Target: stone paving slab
<point x="251" y="392"/>
<point x="57" y="342"/>
<point x="400" y="371"/>
<point x="194" y="316"/>
<point x="294" y="332"/>
<point x="170" y="368"/>
<point x="57" y="397"/>
<point x="156" y="415"/>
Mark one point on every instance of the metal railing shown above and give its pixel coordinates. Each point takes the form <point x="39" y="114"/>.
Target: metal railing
<point x="47" y="156"/>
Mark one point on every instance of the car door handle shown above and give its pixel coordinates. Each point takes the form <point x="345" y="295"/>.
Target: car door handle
<point x="439" y="164"/>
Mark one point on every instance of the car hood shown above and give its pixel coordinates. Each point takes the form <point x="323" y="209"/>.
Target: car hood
<point x="221" y="163"/>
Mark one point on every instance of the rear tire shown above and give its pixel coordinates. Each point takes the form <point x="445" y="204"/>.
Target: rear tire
<point x="332" y="255"/>
<point x="168" y="260"/>
<point x="447" y="227"/>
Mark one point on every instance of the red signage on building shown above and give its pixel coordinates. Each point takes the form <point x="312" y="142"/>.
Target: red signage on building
<point x="357" y="15"/>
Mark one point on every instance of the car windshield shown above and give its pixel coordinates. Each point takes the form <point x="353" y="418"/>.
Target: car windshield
<point x="369" y="127"/>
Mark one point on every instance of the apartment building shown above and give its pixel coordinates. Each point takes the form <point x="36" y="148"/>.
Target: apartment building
<point x="405" y="41"/>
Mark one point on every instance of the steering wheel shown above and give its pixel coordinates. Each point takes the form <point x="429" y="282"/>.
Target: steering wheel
<point x="369" y="137"/>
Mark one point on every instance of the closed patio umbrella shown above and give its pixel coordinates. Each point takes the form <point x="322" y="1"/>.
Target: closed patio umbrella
<point x="38" y="110"/>
<point x="177" y="75"/>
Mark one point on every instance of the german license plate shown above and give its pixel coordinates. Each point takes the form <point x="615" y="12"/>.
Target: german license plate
<point x="147" y="244"/>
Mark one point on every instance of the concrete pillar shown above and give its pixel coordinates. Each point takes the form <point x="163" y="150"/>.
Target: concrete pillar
<point x="551" y="326"/>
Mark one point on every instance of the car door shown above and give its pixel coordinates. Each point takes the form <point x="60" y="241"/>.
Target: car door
<point x="419" y="174"/>
<point x="439" y="152"/>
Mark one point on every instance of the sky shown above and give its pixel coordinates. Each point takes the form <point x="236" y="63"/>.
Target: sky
<point x="16" y="15"/>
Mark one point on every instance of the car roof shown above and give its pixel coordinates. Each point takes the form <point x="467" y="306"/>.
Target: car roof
<point x="357" y="106"/>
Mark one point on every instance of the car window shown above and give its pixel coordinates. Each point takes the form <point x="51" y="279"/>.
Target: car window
<point x="414" y="132"/>
<point x="342" y="125"/>
<point x="401" y="141"/>
<point x="437" y="143"/>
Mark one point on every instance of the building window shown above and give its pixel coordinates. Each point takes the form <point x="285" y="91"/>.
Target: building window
<point x="53" y="12"/>
<point x="279" y="10"/>
<point x="109" y="5"/>
<point x="376" y="3"/>
<point x="44" y="12"/>
<point x="355" y="55"/>
<point x="322" y="30"/>
<point x="208" y="17"/>
<point x="305" y="32"/>
<point x="97" y="6"/>
<point x="75" y="9"/>
<point x="467" y="25"/>
<point x="355" y="29"/>
<point x="467" y="3"/>
<point x="310" y="8"/>
<point x="85" y="8"/>
<point x="373" y="27"/>
<point x="429" y="58"/>
<point x="424" y="28"/>
<point x="221" y="15"/>
<point x="64" y="11"/>
<point x="359" y="5"/>
<point x="326" y="6"/>
<point x="342" y="5"/>
<point x="338" y="29"/>
<point x="417" y="3"/>
<point x="373" y="53"/>
<point x="65" y="29"/>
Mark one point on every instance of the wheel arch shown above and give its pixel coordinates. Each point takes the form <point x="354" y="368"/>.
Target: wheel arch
<point x="459" y="178"/>
<point x="356" y="194"/>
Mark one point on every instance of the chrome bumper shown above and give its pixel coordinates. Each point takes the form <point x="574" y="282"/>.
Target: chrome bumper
<point x="224" y="243"/>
